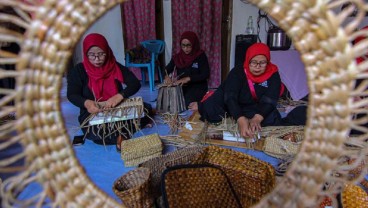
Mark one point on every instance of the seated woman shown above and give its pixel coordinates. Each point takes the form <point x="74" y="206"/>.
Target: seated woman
<point x="99" y="78"/>
<point x="249" y="94"/>
<point x="190" y="67"/>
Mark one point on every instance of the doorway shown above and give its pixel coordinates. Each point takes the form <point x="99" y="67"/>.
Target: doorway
<point x="226" y="23"/>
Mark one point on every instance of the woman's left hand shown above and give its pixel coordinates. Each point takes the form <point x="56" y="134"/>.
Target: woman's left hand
<point x="183" y="80"/>
<point x="255" y="123"/>
<point x="113" y="101"/>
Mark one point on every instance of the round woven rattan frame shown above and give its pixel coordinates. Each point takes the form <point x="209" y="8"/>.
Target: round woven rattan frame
<point x="318" y="33"/>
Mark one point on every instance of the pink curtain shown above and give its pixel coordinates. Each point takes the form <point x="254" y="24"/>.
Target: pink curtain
<point x="139" y="24"/>
<point x="204" y="18"/>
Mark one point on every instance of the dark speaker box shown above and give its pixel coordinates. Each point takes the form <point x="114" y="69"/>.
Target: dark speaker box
<point x="242" y="43"/>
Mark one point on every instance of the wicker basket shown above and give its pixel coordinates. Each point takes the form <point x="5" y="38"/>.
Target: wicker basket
<point x="170" y="99"/>
<point x="138" y="150"/>
<point x="197" y="186"/>
<point x="280" y="148"/>
<point x="354" y="196"/>
<point x="159" y="164"/>
<point x="133" y="188"/>
<point x="251" y="178"/>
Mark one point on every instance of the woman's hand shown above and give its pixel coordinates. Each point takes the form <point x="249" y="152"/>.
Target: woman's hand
<point x="167" y="80"/>
<point x="113" y="101"/>
<point x="243" y="125"/>
<point x="91" y="106"/>
<point x="255" y="123"/>
<point x="183" y="80"/>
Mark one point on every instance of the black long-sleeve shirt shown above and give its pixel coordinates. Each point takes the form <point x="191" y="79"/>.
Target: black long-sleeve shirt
<point x="78" y="91"/>
<point x="238" y="98"/>
<point x="234" y="98"/>
<point x="198" y="72"/>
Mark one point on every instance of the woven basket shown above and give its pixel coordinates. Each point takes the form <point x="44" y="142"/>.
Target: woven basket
<point x="280" y="148"/>
<point x="170" y="99"/>
<point x="251" y="178"/>
<point x="197" y="186"/>
<point x="138" y="150"/>
<point x="354" y="196"/>
<point x="133" y="188"/>
<point x="159" y="164"/>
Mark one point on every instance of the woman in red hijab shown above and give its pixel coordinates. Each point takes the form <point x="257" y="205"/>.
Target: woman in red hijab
<point x="190" y="67"/>
<point x="249" y="94"/>
<point x="99" y="78"/>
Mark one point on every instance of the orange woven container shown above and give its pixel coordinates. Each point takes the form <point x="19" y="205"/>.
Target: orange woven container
<point x="133" y="188"/>
<point x="157" y="165"/>
<point x="250" y="177"/>
<point x="197" y="186"/>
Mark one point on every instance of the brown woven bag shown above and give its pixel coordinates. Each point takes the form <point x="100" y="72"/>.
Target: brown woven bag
<point x="159" y="164"/>
<point x="133" y="188"/>
<point x="197" y="186"/>
<point x="251" y="178"/>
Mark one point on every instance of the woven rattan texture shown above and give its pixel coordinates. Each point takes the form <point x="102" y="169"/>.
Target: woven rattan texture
<point x="251" y="178"/>
<point x="354" y="196"/>
<point x="170" y="99"/>
<point x="138" y="150"/>
<point x="159" y="164"/>
<point x="200" y="186"/>
<point x="280" y="148"/>
<point x="319" y="31"/>
<point x="133" y="188"/>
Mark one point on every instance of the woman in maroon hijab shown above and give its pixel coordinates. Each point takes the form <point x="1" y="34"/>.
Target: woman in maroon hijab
<point x="99" y="78"/>
<point x="249" y="94"/>
<point x="190" y="67"/>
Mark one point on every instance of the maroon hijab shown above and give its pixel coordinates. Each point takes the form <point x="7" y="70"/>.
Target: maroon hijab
<point x="183" y="60"/>
<point x="254" y="50"/>
<point x="101" y="79"/>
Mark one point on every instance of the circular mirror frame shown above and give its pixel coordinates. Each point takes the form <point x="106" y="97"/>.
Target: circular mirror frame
<point x="317" y="33"/>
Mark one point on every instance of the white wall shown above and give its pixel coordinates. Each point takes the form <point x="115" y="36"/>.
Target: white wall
<point x="110" y="26"/>
<point x="241" y="13"/>
<point x="167" y="30"/>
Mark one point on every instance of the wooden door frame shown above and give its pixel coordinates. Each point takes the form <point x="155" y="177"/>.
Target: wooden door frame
<point x="226" y="27"/>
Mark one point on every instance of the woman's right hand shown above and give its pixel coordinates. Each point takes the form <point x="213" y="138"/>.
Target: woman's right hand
<point x="167" y="80"/>
<point x="91" y="106"/>
<point x="243" y="125"/>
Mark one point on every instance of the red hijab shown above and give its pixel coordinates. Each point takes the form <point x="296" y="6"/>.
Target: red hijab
<point x="101" y="79"/>
<point x="254" y="50"/>
<point x="183" y="60"/>
<point x="360" y="38"/>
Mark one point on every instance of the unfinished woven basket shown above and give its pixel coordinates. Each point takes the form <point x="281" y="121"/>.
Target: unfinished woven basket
<point x="320" y="31"/>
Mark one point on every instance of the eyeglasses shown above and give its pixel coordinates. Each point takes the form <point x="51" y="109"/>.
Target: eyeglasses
<point x="186" y="45"/>
<point x="92" y="56"/>
<point x="256" y="63"/>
